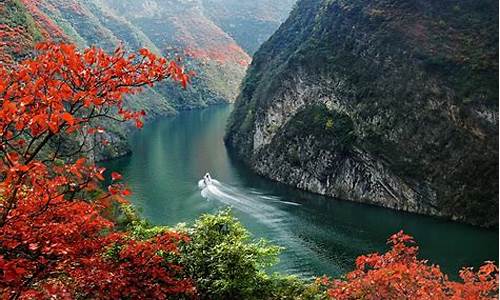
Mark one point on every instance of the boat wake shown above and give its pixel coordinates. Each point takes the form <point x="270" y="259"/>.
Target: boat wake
<point x="269" y="210"/>
<point x="213" y="189"/>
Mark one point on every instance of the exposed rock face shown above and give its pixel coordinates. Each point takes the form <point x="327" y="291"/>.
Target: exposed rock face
<point x="393" y="103"/>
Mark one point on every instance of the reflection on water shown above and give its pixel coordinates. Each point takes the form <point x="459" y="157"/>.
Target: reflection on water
<point x="321" y="235"/>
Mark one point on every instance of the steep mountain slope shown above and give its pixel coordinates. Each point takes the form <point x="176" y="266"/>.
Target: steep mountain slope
<point x="18" y="31"/>
<point x="167" y="27"/>
<point x="250" y="23"/>
<point x="393" y="103"/>
<point x="172" y="27"/>
<point x="180" y="26"/>
<point x="93" y="23"/>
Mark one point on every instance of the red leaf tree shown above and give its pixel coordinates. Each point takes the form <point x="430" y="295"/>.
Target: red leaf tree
<point x="54" y="240"/>
<point x="399" y="274"/>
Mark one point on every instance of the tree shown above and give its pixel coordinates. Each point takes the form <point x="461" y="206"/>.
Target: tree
<point x="224" y="261"/>
<point x="55" y="241"/>
<point x="399" y="274"/>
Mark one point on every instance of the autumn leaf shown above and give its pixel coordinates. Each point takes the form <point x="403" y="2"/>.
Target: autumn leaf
<point x="68" y="118"/>
<point x="116" y="176"/>
<point x="139" y="123"/>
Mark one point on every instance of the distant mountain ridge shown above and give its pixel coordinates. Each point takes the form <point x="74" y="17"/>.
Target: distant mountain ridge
<point x="192" y="29"/>
<point x="249" y="23"/>
<point x="195" y="28"/>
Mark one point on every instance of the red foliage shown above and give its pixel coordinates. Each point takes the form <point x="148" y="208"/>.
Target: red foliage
<point x="398" y="274"/>
<point x="116" y="176"/>
<point x="230" y="53"/>
<point x="49" y="29"/>
<point x="138" y="270"/>
<point x="14" y="42"/>
<point x="54" y="235"/>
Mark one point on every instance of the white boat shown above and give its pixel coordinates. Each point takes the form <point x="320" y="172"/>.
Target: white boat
<point x="206" y="181"/>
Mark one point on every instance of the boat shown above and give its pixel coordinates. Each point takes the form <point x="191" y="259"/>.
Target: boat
<point x="207" y="179"/>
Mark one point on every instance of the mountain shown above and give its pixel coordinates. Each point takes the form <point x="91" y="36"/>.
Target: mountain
<point x="249" y="23"/>
<point x="179" y="27"/>
<point x="218" y="34"/>
<point x="191" y="29"/>
<point x="392" y="103"/>
<point x="18" y="32"/>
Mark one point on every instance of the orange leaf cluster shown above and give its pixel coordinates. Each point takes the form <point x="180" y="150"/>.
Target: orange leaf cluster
<point x="54" y="235"/>
<point x="399" y="274"/>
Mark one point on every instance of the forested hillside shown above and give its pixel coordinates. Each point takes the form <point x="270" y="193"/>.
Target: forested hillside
<point x="214" y="36"/>
<point x="393" y="103"/>
<point x="191" y="30"/>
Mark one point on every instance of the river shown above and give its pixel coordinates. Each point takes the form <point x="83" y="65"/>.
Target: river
<point x="321" y="235"/>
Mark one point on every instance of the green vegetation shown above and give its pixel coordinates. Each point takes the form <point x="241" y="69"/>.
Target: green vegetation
<point x="224" y="260"/>
<point x="235" y="266"/>
<point x="14" y="14"/>
<point x="417" y="82"/>
<point x="332" y="129"/>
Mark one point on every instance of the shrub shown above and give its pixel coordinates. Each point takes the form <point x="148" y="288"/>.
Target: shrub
<point x="399" y="274"/>
<point x="223" y="260"/>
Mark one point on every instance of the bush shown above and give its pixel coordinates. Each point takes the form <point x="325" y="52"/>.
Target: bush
<point x="222" y="259"/>
<point x="399" y="274"/>
<point x="224" y="262"/>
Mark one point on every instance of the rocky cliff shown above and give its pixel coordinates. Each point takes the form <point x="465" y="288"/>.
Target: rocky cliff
<point x="392" y="103"/>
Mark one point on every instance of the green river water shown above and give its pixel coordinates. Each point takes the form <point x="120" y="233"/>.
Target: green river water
<point x="321" y="235"/>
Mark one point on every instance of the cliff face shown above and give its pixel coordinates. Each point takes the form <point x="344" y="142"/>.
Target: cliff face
<point x="393" y="103"/>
